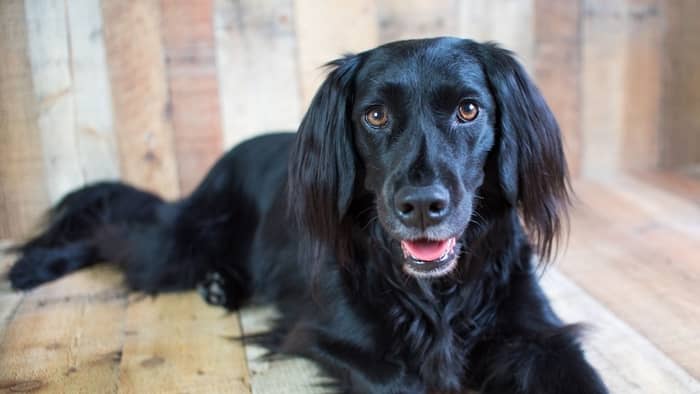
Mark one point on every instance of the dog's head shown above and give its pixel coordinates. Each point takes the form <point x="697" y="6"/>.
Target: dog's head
<point x="415" y="124"/>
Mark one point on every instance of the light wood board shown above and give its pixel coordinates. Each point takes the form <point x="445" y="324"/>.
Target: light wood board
<point x="256" y="39"/>
<point x="23" y="190"/>
<point x="140" y="95"/>
<point x="190" y="55"/>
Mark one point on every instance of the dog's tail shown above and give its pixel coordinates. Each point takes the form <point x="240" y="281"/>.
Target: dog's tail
<point x="108" y="221"/>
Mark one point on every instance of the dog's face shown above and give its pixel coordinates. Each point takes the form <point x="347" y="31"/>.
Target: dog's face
<point x="414" y="123"/>
<point x="423" y="124"/>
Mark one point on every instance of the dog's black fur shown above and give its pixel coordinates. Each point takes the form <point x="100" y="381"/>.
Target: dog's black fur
<point x="314" y="222"/>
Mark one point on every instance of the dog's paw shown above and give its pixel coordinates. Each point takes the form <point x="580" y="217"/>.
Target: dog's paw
<point x="22" y="277"/>
<point x="38" y="265"/>
<point x="35" y="268"/>
<point x="212" y="289"/>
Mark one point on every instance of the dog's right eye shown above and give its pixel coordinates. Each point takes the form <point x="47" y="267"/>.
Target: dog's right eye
<point x="467" y="111"/>
<point x="377" y="116"/>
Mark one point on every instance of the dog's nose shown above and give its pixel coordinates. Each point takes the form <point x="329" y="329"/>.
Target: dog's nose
<point x="422" y="206"/>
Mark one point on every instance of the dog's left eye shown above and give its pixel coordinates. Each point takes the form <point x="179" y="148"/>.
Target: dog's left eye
<point x="377" y="116"/>
<point x="467" y="111"/>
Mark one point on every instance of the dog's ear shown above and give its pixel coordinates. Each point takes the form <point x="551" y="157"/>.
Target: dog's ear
<point x="322" y="163"/>
<point x="532" y="167"/>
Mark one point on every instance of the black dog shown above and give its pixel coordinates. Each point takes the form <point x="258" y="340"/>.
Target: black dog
<point x="387" y="230"/>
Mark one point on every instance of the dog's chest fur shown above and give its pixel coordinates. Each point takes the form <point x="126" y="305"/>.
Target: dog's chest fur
<point x="434" y="329"/>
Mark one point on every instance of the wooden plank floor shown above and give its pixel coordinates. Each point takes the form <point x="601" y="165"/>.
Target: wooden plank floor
<point x="631" y="270"/>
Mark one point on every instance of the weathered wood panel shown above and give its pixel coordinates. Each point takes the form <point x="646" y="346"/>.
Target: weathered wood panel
<point x="94" y="120"/>
<point x="256" y="60"/>
<point x="635" y="248"/>
<point x="680" y="124"/>
<point x="176" y="343"/>
<point x="622" y="57"/>
<point x="9" y="299"/>
<point x="626" y="360"/>
<point x="188" y="36"/>
<point x="557" y="69"/>
<point x="327" y="30"/>
<point x="23" y="190"/>
<point x="50" y="60"/>
<point x="66" y="336"/>
<point x="603" y="58"/>
<point x="642" y="77"/>
<point x="507" y="22"/>
<point x="140" y="94"/>
<point x="401" y="20"/>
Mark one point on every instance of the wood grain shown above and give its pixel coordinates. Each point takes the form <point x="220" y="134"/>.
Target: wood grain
<point x="140" y="95"/>
<point x="188" y="38"/>
<point x="642" y="115"/>
<point x="177" y="343"/>
<point x="66" y="336"/>
<point x="401" y="20"/>
<point x="23" y="191"/>
<point x="9" y="300"/>
<point x="50" y="60"/>
<point x="257" y="68"/>
<point x="634" y="248"/>
<point x="557" y="69"/>
<point x="603" y="59"/>
<point x="514" y="27"/>
<point x="627" y="361"/>
<point x="676" y="182"/>
<point x="94" y="119"/>
<point x="680" y="125"/>
<point x="79" y="334"/>
<point x="320" y="39"/>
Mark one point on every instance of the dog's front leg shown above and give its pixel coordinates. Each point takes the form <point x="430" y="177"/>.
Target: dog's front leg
<point x="529" y="351"/>
<point x="538" y="363"/>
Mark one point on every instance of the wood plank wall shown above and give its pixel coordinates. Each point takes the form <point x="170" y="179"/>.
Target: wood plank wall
<point x="153" y="91"/>
<point x="680" y="120"/>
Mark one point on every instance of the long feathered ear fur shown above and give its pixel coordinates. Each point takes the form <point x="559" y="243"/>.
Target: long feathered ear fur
<point x="532" y="167"/>
<point x="322" y="163"/>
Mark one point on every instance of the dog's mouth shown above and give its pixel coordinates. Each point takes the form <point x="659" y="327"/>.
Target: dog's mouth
<point x="429" y="258"/>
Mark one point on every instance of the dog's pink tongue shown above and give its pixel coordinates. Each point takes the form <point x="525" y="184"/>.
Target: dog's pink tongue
<point x="426" y="250"/>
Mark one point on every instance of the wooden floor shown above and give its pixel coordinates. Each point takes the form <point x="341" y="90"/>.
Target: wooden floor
<point x="631" y="270"/>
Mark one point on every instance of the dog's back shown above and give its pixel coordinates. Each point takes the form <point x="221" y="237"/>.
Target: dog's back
<point x="164" y="246"/>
